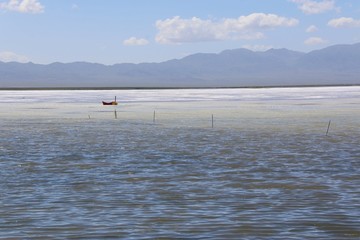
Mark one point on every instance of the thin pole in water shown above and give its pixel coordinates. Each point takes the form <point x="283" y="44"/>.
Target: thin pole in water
<point x="327" y="131"/>
<point x="115" y="114"/>
<point x="154" y="117"/>
<point x="212" y="120"/>
<point x="89" y="116"/>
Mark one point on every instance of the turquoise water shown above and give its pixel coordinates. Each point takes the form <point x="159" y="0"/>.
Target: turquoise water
<point x="266" y="170"/>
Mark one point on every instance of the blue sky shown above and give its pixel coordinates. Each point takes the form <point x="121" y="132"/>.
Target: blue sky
<point x="133" y="31"/>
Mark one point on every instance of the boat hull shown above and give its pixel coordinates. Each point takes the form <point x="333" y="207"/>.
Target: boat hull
<point x="109" y="103"/>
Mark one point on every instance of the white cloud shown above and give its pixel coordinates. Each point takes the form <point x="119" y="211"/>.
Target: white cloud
<point x="178" y="30"/>
<point x="315" y="6"/>
<point x="23" y="6"/>
<point x="314" y="41"/>
<point x="257" y="48"/>
<point x="13" y="57"/>
<point x="133" y="41"/>
<point x="344" y="22"/>
<point x="311" y="29"/>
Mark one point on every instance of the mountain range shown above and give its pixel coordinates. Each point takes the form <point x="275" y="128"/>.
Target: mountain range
<point x="334" y="65"/>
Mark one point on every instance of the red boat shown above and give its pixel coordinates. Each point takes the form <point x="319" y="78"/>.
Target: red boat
<point x="110" y="103"/>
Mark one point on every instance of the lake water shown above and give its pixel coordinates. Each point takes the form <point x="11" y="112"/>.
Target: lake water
<point x="181" y="164"/>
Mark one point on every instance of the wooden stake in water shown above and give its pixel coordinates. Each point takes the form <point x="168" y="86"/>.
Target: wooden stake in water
<point x="212" y="120"/>
<point x="115" y="114"/>
<point x="89" y="116"/>
<point x="327" y="131"/>
<point x="154" y="117"/>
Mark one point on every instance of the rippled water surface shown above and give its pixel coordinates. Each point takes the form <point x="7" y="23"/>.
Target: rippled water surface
<point x="264" y="168"/>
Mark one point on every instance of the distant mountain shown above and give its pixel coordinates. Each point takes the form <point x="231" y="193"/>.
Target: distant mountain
<point x="339" y="64"/>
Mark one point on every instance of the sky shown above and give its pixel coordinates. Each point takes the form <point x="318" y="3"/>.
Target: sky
<point x="135" y="31"/>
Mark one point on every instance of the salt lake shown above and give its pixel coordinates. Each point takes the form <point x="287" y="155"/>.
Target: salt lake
<point x="263" y="163"/>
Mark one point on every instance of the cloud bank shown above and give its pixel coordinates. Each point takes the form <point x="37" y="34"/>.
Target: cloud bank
<point x="344" y="22"/>
<point x="13" y="57"/>
<point x="257" y="48"/>
<point x="314" y="41"/>
<point x="133" y="41"/>
<point x="23" y="6"/>
<point x="178" y="30"/>
<point x="315" y="7"/>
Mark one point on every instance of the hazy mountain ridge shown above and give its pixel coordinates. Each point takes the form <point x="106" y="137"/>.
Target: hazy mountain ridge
<point x="339" y="64"/>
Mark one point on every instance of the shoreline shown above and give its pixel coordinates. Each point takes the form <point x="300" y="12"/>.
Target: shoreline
<point x="166" y="88"/>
